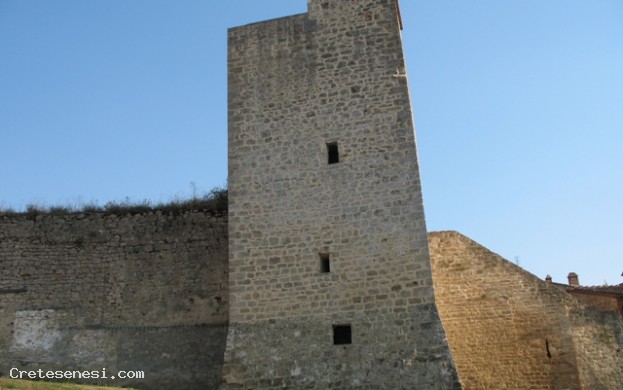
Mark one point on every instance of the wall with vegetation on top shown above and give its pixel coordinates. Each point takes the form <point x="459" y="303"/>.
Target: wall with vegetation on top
<point x="87" y="291"/>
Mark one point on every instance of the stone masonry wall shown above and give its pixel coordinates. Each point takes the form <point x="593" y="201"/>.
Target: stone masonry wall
<point x="141" y="292"/>
<point x="601" y="302"/>
<point x="199" y="303"/>
<point x="297" y="85"/>
<point x="507" y="329"/>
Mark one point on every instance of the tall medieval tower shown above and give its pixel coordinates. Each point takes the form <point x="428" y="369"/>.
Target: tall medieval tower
<point x="329" y="272"/>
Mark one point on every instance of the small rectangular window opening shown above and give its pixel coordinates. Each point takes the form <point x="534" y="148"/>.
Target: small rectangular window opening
<point x="334" y="154"/>
<point x="342" y="334"/>
<point x="325" y="263"/>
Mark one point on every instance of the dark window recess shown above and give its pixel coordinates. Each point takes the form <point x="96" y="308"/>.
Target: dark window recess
<point x="342" y="334"/>
<point x="325" y="263"/>
<point x="334" y="154"/>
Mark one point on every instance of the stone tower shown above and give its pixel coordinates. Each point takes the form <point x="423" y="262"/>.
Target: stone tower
<point x="329" y="271"/>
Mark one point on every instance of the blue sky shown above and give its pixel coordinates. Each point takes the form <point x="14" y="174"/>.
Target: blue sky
<point x="518" y="109"/>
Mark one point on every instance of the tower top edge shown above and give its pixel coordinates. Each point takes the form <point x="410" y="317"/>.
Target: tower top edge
<point x="268" y="21"/>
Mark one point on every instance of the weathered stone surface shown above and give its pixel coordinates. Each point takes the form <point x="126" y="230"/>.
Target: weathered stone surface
<point x="151" y="292"/>
<point x="144" y="292"/>
<point x="296" y="85"/>
<point x="508" y="329"/>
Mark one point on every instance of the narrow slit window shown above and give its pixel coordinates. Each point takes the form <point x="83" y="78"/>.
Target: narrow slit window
<point x="333" y="152"/>
<point x="549" y="353"/>
<point x="342" y="334"/>
<point x="325" y="263"/>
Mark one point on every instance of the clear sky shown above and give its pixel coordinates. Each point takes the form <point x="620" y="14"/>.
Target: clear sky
<point x="518" y="109"/>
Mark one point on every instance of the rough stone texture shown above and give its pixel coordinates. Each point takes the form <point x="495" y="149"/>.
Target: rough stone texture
<point x="497" y="316"/>
<point x="508" y="329"/>
<point x="601" y="298"/>
<point x="151" y="292"/>
<point x="141" y="292"/>
<point x="335" y="74"/>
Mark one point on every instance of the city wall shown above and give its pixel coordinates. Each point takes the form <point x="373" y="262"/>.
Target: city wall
<point x="313" y="246"/>
<point x="145" y="292"/>
<point x="508" y="329"/>
<point x="149" y="292"/>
